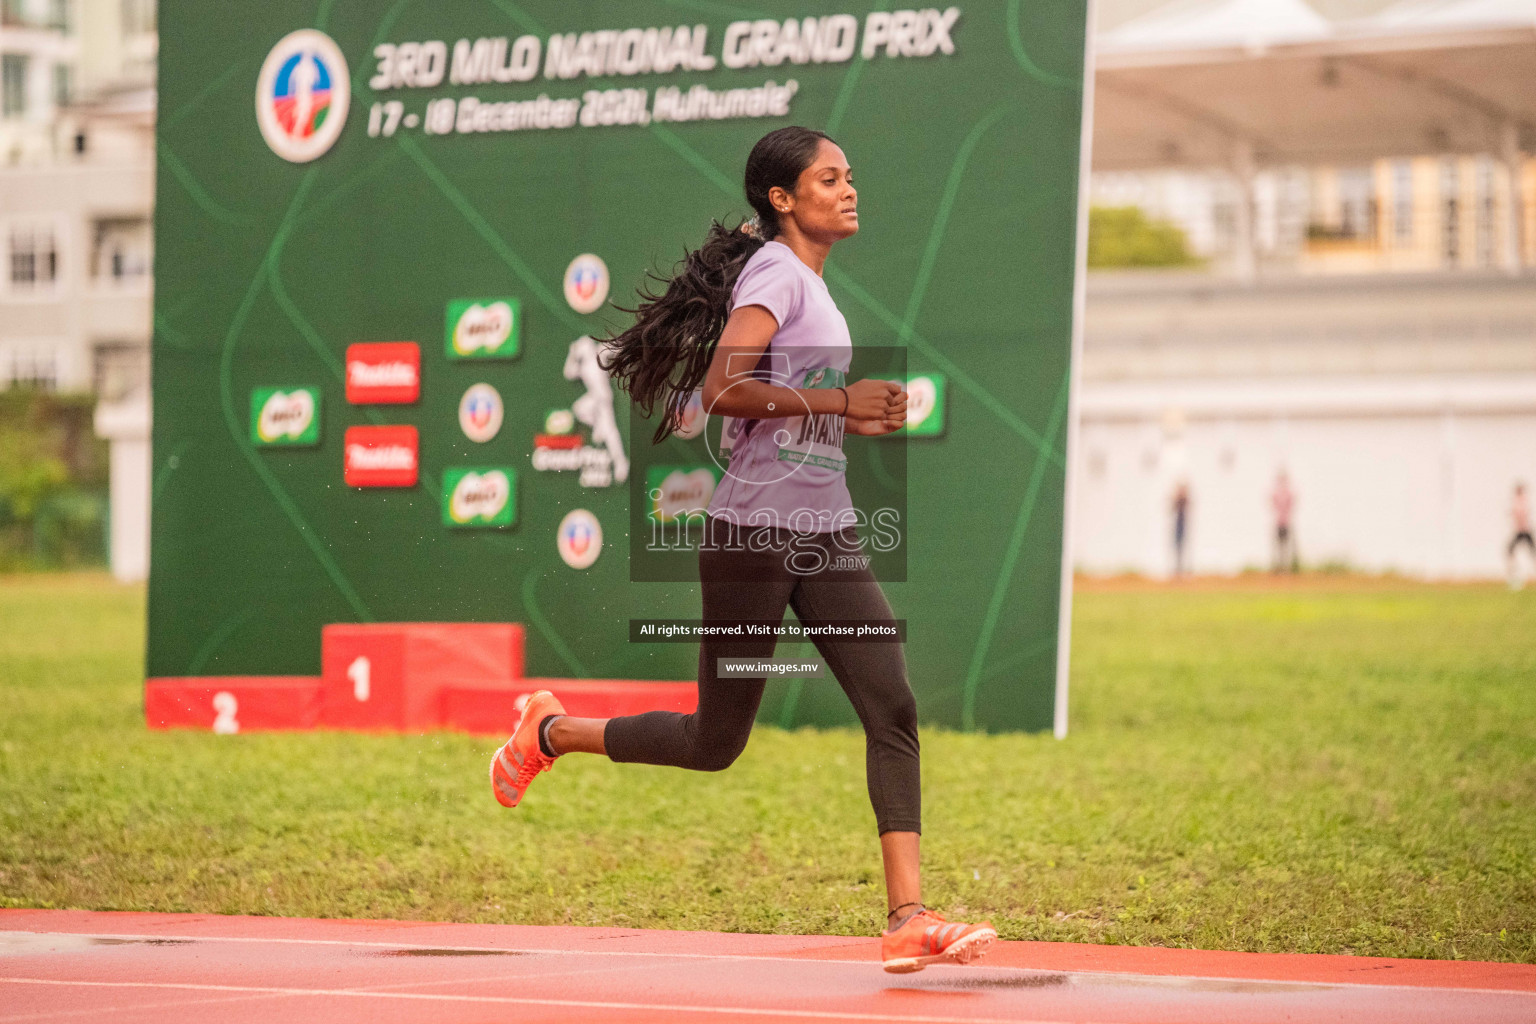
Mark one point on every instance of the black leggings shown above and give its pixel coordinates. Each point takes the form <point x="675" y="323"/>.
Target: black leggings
<point x="757" y="585"/>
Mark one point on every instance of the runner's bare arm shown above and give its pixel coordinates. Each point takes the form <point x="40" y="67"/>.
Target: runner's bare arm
<point x="890" y="423"/>
<point x="729" y="390"/>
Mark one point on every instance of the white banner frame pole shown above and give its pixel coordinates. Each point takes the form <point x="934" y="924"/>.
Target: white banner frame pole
<point x="1074" y="375"/>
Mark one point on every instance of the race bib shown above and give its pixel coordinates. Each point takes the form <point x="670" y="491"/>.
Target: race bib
<point x="732" y="430"/>
<point x="817" y="439"/>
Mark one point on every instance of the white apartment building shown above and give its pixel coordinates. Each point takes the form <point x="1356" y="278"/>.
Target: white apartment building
<point x="76" y="192"/>
<point x="77" y="109"/>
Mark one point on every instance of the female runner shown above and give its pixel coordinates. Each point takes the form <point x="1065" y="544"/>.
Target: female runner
<point x="750" y="318"/>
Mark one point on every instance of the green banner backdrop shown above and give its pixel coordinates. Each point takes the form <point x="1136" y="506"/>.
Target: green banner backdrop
<point x="413" y="172"/>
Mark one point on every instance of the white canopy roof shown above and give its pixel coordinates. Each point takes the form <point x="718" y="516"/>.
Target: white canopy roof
<point x="1253" y="25"/>
<point x="1459" y="15"/>
<point x="1192" y="83"/>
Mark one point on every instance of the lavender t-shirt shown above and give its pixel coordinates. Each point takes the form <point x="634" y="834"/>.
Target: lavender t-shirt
<point x="789" y="470"/>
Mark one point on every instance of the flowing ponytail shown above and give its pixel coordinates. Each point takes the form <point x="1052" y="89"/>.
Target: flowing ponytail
<point x="664" y="357"/>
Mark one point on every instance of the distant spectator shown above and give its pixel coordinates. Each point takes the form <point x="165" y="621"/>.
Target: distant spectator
<point x="1180" y="526"/>
<point x="1520" y="513"/>
<point x="1283" y="500"/>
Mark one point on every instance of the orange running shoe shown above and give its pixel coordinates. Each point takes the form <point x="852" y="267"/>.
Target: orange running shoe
<point x="520" y="758"/>
<point x="926" y="938"/>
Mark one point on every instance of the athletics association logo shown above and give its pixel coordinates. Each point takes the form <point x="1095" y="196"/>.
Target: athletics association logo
<point x="690" y="421"/>
<point x="580" y="538"/>
<point x="480" y="412"/>
<point x="302" y="95"/>
<point x="586" y="283"/>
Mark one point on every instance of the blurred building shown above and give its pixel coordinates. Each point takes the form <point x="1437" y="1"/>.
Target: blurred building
<point x="1358" y="176"/>
<point x="77" y="110"/>
<point x="1417" y="213"/>
<point x="1402" y="408"/>
<point x="76" y="192"/>
<point x="1406" y="213"/>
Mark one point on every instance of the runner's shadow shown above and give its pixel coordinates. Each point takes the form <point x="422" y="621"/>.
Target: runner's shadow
<point x="976" y="983"/>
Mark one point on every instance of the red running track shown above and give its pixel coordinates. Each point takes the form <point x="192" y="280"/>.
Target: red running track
<point x="170" y="968"/>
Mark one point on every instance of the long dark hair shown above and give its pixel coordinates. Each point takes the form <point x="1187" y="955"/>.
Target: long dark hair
<point x="679" y="327"/>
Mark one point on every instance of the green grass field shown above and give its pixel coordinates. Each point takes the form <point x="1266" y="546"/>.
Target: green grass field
<point x="1341" y="767"/>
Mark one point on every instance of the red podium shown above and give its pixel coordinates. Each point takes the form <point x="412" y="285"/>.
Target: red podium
<point x="233" y="704"/>
<point x="401" y="677"/>
<point x="392" y="675"/>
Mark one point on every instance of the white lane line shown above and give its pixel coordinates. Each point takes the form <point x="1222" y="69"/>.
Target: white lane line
<point x="94" y="1010"/>
<point x="50" y="1014"/>
<point x="1079" y="976"/>
<point x="780" y="1013"/>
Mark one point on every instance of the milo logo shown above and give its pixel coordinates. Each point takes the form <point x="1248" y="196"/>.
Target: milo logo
<point x="285" y="417"/>
<point x="479" y="497"/>
<point x="925" y="404"/>
<point x="679" y="491"/>
<point x="559" y="421"/>
<point x="482" y="329"/>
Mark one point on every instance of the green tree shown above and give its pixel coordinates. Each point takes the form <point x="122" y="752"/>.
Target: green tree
<point x="1124" y="236"/>
<point x="29" y="474"/>
<point x="52" y="480"/>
